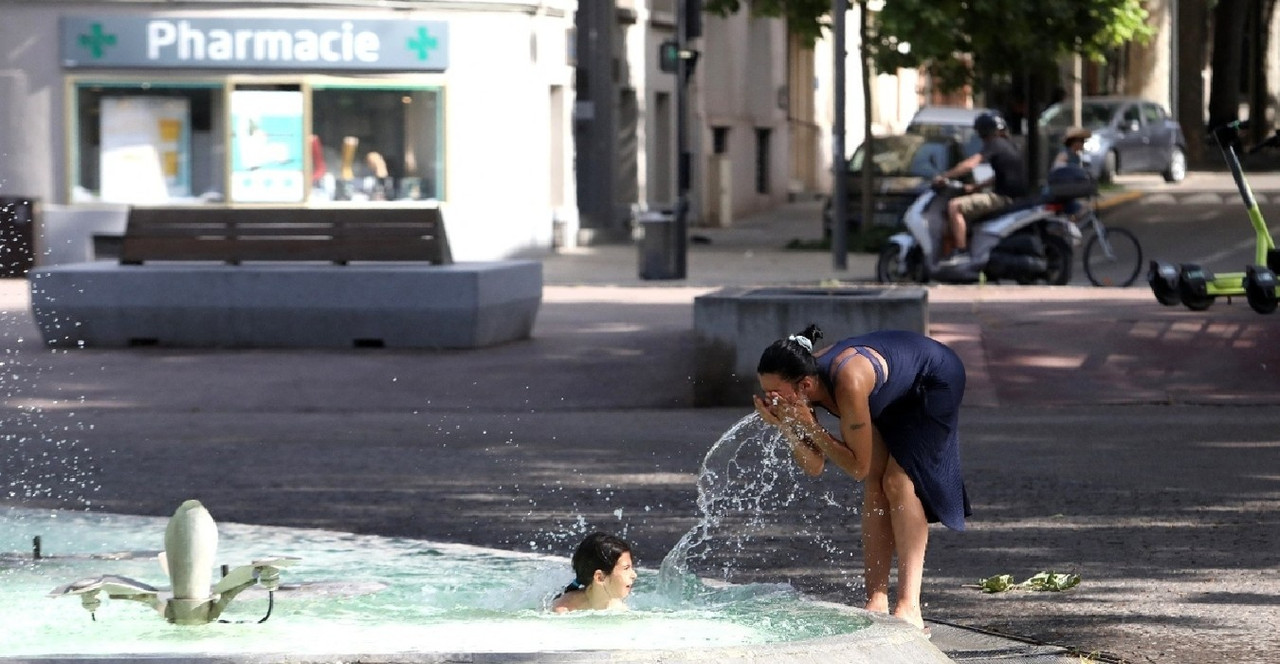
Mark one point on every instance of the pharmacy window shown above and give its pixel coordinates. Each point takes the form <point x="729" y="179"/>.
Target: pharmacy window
<point x="148" y="144"/>
<point x="371" y="144"/>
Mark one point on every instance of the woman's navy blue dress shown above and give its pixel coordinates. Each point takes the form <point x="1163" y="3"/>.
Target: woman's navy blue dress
<point x="916" y="409"/>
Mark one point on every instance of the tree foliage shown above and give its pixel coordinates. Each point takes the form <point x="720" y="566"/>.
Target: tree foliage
<point x="1004" y="37"/>
<point x="960" y="40"/>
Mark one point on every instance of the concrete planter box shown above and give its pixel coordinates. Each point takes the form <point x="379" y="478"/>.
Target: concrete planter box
<point x="285" y="305"/>
<point x="735" y="325"/>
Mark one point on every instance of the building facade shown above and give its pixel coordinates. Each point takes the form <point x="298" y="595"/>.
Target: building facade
<point x="758" y="122"/>
<point x="465" y="105"/>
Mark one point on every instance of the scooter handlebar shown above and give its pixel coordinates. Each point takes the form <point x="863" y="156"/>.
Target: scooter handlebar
<point x="947" y="184"/>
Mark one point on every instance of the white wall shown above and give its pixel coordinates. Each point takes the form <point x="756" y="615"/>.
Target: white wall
<point x="31" y="97"/>
<point x="497" y="122"/>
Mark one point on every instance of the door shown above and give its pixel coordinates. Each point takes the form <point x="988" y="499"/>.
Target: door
<point x="1160" y="134"/>
<point x="1131" y="143"/>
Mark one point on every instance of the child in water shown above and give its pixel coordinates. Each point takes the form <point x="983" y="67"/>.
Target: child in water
<point x="603" y="575"/>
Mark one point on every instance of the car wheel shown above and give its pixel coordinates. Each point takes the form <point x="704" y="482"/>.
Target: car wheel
<point x="1108" y="172"/>
<point x="1177" y="166"/>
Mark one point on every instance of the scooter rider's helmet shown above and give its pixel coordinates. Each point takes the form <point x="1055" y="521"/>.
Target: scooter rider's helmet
<point x="987" y="125"/>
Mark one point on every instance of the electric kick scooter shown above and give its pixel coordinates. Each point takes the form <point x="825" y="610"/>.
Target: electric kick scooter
<point x="1195" y="287"/>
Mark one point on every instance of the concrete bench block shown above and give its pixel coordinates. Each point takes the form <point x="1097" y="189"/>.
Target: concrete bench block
<point x="734" y="325"/>
<point x="285" y="305"/>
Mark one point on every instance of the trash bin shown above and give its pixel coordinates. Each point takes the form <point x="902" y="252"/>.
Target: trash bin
<point x="17" y="235"/>
<point x="658" y="246"/>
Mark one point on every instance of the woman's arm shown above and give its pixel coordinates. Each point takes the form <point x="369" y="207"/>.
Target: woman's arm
<point x="853" y="453"/>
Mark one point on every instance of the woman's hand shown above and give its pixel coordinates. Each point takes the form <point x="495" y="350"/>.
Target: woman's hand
<point x="794" y="417"/>
<point x="768" y="408"/>
<point x="784" y="411"/>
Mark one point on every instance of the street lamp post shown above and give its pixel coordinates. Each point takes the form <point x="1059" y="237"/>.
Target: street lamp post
<point x="839" y="171"/>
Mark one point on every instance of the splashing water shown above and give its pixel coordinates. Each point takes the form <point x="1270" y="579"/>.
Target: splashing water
<point x="42" y="461"/>
<point x="759" y="513"/>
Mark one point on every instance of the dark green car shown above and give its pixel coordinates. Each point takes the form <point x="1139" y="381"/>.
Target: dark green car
<point x="903" y="165"/>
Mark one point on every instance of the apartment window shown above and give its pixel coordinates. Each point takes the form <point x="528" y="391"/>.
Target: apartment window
<point x="720" y="140"/>
<point x="762" y="159"/>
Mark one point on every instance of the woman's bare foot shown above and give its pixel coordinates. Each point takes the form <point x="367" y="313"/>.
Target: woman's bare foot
<point x="877" y="604"/>
<point x="909" y="614"/>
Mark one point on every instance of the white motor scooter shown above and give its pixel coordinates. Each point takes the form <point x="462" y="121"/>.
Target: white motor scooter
<point x="1030" y="242"/>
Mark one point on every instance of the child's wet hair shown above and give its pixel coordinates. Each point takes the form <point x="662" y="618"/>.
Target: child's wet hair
<point x="598" y="551"/>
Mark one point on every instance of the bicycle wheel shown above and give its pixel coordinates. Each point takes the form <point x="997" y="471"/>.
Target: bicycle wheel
<point x="1112" y="258"/>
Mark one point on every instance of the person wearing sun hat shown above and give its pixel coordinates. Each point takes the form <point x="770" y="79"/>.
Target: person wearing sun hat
<point x="1072" y="148"/>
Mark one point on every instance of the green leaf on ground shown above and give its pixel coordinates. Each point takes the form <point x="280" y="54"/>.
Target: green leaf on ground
<point x="1044" y="581"/>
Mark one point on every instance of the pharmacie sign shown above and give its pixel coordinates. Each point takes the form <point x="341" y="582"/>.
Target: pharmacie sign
<point x="231" y="43"/>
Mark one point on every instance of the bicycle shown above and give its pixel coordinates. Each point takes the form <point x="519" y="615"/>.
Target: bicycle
<point x="1112" y="256"/>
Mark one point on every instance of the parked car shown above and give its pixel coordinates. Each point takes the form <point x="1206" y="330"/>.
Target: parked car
<point x="953" y="121"/>
<point x="1129" y="136"/>
<point x="903" y="165"/>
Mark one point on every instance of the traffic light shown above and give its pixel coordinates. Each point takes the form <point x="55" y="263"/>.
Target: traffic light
<point x="668" y="56"/>
<point x="671" y="58"/>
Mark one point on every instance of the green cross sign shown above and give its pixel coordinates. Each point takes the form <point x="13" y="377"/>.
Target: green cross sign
<point x="97" y="40"/>
<point x="423" y="43"/>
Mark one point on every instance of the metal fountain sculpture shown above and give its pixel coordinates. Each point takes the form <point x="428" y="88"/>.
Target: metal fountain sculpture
<point x="190" y="542"/>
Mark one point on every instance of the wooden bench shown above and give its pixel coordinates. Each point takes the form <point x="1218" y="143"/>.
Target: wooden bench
<point x="336" y="235"/>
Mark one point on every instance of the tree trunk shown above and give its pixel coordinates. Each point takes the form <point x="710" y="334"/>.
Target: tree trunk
<point x="1224" y="89"/>
<point x="1192" y="38"/>
<point x="1259" y="45"/>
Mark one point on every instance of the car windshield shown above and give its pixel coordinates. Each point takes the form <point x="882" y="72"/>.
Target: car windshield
<point x="1093" y="115"/>
<point x="904" y="155"/>
<point x="963" y="133"/>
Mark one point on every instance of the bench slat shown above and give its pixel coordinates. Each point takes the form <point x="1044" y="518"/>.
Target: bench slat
<point x="335" y="235"/>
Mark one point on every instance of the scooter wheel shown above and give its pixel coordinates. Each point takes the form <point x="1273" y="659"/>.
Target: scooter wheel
<point x="894" y="268"/>
<point x="1193" y="287"/>
<point x="1163" y="278"/>
<point x="1260" y="289"/>
<point x="1057" y="257"/>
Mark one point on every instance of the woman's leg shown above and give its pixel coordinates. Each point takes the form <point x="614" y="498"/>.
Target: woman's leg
<point x="877" y="530"/>
<point x="910" y="535"/>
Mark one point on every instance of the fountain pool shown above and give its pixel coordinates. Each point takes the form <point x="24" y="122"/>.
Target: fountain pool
<point x="390" y="599"/>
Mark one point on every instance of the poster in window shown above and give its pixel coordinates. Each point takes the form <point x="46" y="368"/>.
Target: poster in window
<point x="146" y="149"/>
<point x="266" y="146"/>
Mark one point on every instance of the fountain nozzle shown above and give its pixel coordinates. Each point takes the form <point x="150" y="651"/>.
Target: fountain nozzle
<point x="191" y="541"/>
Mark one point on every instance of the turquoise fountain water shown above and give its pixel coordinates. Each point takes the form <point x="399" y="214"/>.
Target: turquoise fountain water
<point x="353" y="593"/>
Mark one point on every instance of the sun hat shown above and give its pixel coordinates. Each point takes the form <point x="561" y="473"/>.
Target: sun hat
<point x="1076" y="134"/>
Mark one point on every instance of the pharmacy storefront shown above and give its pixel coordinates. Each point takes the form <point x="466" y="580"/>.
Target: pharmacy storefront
<point x="464" y="109"/>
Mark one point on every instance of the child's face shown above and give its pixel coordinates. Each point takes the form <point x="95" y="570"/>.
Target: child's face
<point x="618" y="583"/>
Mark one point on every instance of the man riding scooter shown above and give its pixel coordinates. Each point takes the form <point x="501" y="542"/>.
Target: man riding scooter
<point x="1008" y="183"/>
